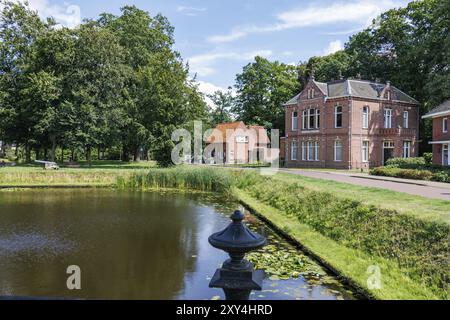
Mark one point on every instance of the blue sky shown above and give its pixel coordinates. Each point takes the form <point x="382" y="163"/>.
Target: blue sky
<point x="219" y="37"/>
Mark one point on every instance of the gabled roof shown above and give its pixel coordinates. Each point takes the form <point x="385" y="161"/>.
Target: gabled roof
<point x="357" y="88"/>
<point x="223" y="127"/>
<point x="442" y="109"/>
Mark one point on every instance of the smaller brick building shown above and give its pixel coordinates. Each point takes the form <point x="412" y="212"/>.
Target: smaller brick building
<point x="235" y="142"/>
<point x="441" y="134"/>
<point x="349" y="123"/>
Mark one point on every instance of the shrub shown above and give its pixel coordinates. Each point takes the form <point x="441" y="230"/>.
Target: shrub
<point x="407" y="163"/>
<point x="395" y="172"/>
<point x="441" y="176"/>
<point x="428" y="156"/>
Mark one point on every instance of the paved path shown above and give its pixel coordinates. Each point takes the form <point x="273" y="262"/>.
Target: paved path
<point x="434" y="190"/>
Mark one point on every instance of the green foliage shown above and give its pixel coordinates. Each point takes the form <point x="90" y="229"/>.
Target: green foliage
<point x="224" y="103"/>
<point x="395" y="172"/>
<point x="428" y="157"/>
<point x="417" y="245"/>
<point x="107" y="84"/>
<point x="262" y="88"/>
<point x="180" y="177"/>
<point x="406" y="163"/>
<point x="420" y="168"/>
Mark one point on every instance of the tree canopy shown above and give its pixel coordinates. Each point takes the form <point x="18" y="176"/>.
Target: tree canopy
<point x="114" y="83"/>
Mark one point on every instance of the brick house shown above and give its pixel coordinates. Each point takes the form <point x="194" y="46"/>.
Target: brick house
<point x="349" y="124"/>
<point x="235" y="142"/>
<point x="441" y="135"/>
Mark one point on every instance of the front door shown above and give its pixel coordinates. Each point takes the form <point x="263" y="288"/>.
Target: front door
<point x="388" y="151"/>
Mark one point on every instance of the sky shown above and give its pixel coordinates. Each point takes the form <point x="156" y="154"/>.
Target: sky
<point x="218" y="38"/>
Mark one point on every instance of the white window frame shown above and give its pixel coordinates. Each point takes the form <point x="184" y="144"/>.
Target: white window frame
<point x="365" y="117"/>
<point x="305" y="119"/>
<point x="303" y="151"/>
<point x="316" y="151"/>
<point x="406" y="149"/>
<point x="387" y="118"/>
<point x="294" y="124"/>
<point x="405" y="119"/>
<point x="365" y="150"/>
<point x="336" y="113"/>
<point x="445" y="125"/>
<point x="294" y="147"/>
<point x="310" y="151"/>
<point x="336" y="143"/>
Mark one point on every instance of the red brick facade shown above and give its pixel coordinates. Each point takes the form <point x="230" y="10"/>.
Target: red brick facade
<point x="338" y="139"/>
<point x="441" y="133"/>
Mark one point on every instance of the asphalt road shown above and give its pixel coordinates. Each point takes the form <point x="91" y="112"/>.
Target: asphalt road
<point x="433" y="190"/>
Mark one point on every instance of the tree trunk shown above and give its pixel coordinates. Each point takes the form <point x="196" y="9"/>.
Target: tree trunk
<point x="88" y="156"/>
<point x="27" y="153"/>
<point x="136" y="154"/>
<point x="98" y="154"/>
<point x="62" y="154"/>
<point x="53" y="149"/>
<point x="125" y="154"/>
<point x="72" y="154"/>
<point x="38" y="153"/>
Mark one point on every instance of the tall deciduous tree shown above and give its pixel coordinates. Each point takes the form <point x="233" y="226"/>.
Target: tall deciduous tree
<point x="262" y="88"/>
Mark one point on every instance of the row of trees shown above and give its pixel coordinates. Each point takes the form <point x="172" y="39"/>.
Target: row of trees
<point x="408" y="46"/>
<point x="115" y="82"/>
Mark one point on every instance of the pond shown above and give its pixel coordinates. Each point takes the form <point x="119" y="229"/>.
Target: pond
<point x="130" y="245"/>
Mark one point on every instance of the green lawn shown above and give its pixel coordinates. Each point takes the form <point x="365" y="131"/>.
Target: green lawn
<point x="100" y="174"/>
<point x="424" y="208"/>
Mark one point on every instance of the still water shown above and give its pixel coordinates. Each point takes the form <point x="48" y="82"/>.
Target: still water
<point x="129" y="245"/>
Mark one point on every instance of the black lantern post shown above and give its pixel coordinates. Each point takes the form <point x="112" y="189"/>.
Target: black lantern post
<point x="237" y="277"/>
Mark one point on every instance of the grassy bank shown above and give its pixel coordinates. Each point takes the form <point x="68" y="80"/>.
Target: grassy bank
<point x="101" y="173"/>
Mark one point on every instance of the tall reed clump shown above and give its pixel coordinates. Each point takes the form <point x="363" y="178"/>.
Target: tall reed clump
<point x="419" y="247"/>
<point x="181" y="177"/>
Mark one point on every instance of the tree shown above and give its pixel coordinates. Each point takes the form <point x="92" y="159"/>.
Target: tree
<point x="262" y="88"/>
<point x="224" y="103"/>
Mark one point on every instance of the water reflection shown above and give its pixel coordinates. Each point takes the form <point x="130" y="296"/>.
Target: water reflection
<point x="129" y="245"/>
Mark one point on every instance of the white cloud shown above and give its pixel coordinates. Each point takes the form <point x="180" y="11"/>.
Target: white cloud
<point x="190" y="11"/>
<point x="203" y="64"/>
<point x="208" y="88"/>
<point x="67" y="14"/>
<point x="358" y="12"/>
<point x="333" y="46"/>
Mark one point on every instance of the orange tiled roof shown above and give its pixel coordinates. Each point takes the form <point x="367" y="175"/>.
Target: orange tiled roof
<point x="223" y="127"/>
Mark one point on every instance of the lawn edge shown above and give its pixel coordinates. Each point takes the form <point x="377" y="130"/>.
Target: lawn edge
<point x="330" y="255"/>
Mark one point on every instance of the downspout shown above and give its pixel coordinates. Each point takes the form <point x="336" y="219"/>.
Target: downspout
<point x="350" y="111"/>
<point x="350" y="133"/>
